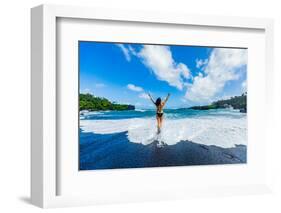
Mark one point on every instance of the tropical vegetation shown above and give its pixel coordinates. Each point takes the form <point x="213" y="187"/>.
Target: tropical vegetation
<point x="236" y="102"/>
<point x="93" y="103"/>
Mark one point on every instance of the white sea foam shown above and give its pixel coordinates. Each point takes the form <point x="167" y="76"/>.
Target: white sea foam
<point x="85" y="114"/>
<point x="208" y="130"/>
<point x="140" y="110"/>
<point x="95" y="113"/>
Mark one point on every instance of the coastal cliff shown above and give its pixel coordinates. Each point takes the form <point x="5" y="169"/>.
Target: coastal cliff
<point x="93" y="103"/>
<point x="236" y="102"/>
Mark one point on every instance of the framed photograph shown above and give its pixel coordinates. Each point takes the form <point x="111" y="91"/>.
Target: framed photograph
<point x="174" y="105"/>
<point x="129" y="106"/>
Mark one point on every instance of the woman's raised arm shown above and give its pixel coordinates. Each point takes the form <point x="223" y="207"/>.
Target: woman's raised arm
<point x="166" y="99"/>
<point x="151" y="98"/>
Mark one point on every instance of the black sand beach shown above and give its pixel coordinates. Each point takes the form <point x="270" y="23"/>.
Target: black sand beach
<point x="114" y="151"/>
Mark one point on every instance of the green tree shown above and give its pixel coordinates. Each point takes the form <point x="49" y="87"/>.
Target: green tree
<point x="92" y="103"/>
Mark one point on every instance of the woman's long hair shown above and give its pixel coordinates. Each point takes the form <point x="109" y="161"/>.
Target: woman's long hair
<point x="158" y="102"/>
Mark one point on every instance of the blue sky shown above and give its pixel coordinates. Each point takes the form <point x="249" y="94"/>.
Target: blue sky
<point x="124" y="73"/>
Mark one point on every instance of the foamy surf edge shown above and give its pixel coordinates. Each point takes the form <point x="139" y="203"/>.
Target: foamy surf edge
<point x="222" y="132"/>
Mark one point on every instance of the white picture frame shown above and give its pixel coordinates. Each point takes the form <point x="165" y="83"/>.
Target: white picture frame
<point x="44" y="83"/>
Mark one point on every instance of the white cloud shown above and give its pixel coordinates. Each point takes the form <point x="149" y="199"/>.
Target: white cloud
<point x="128" y="51"/>
<point x="144" y="96"/>
<point x="244" y="86"/>
<point x="134" y="88"/>
<point x="100" y="85"/>
<point x="160" y="60"/>
<point x="86" y="91"/>
<point x="183" y="100"/>
<point x="201" y="62"/>
<point x="125" y="51"/>
<point x="223" y="65"/>
<point x="132" y="50"/>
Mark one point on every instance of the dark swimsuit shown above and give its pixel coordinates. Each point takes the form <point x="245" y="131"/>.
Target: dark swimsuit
<point x="159" y="114"/>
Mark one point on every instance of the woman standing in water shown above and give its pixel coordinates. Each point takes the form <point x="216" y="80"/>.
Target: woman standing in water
<point x="159" y="110"/>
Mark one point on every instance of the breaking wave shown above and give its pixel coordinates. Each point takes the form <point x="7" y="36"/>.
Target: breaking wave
<point x="223" y="131"/>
